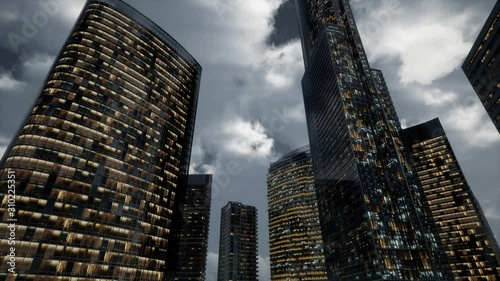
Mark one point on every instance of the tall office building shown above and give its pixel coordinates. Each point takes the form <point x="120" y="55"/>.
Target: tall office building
<point x="238" y="243"/>
<point x="482" y="66"/>
<point x="190" y="228"/>
<point x="369" y="200"/>
<point x="98" y="158"/>
<point x="460" y="223"/>
<point x="296" y="246"/>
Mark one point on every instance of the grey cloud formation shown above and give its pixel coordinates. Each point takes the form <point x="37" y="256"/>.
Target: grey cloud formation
<point x="250" y="109"/>
<point x="284" y="18"/>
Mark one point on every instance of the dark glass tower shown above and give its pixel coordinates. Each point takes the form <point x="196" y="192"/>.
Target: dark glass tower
<point x="190" y="229"/>
<point x="370" y="202"/>
<point x="482" y="65"/>
<point x="460" y="223"/>
<point x="238" y="243"/>
<point x="296" y="245"/>
<point x="99" y="156"/>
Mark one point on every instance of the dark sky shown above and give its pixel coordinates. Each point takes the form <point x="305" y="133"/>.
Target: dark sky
<point x="251" y="109"/>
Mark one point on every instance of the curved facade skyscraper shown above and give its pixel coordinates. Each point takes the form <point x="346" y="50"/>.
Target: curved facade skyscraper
<point x="98" y="159"/>
<point x="296" y="245"/>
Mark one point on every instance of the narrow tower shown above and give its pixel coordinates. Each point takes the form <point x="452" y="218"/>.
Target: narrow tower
<point x="98" y="158"/>
<point x="238" y="243"/>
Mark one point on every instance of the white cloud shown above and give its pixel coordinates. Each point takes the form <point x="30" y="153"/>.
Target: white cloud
<point x="3" y="148"/>
<point x="237" y="30"/>
<point x="212" y="265"/>
<point x="492" y="213"/>
<point x="7" y="82"/>
<point x="213" y="260"/>
<point x="295" y="113"/>
<point x="282" y="64"/>
<point x="404" y="123"/>
<point x="438" y="97"/>
<point x="4" y="142"/>
<point x="264" y="269"/>
<point x="247" y="138"/>
<point x="7" y="16"/>
<point x="428" y="45"/>
<point x="467" y="119"/>
<point x="39" y="63"/>
<point x="71" y="10"/>
<point x="427" y="52"/>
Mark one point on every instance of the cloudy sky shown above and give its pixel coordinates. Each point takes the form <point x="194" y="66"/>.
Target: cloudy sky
<point x="251" y="109"/>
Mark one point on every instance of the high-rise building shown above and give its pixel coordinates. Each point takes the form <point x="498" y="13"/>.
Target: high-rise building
<point x="482" y="66"/>
<point x="296" y="245"/>
<point x="190" y="228"/>
<point x="369" y="200"/>
<point x="98" y="158"/>
<point x="460" y="223"/>
<point x="238" y="243"/>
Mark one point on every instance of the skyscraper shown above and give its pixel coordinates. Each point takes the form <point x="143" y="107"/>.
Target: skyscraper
<point x="238" y="243"/>
<point x="369" y="200"/>
<point x="460" y="223"/>
<point x="98" y="158"/>
<point x="296" y="246"/>
<point x="482" y="66"/>
<point x="191" y="230"/>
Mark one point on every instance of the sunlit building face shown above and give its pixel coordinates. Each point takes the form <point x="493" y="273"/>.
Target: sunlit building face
<point x="468" y="241"/>
<point x="296" y="246"/>
<point x="98" y="158"/>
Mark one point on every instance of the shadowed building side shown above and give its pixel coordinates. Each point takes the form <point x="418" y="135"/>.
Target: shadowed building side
<point x="190" y="230"/>
<point x="482" y="66"/>
<point x="468" y="241"/>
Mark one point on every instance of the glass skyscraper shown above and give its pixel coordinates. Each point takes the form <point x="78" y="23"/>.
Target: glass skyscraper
<point x="482" y="66"/>
<point x="296" y="245"/>
<point x="98" y="158"/>
<point x="238" y="243"/>
<point x="370" y="202"/>
<point x="468" y="241"/>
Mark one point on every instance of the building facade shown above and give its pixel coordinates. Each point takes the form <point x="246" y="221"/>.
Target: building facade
<point x="460" y="223"/>
<point x="190" y="228"/>
<point x="295" y="241"/>
<point x="238" y="243"/>
<point x="98" y="158"/>
<point x="369" y="199"/>
<point x="482" y="66"/>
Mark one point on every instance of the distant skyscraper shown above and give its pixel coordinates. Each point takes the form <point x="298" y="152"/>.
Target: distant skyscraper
<point x="460" y="223"/>
<point x="296" y="246"/>
<point x="369" y="200"/>
<point x="238" y="243"/>
<point x="98" y="158"/>
<point x="191" y="230"/>
<point x="482" y="66"/>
